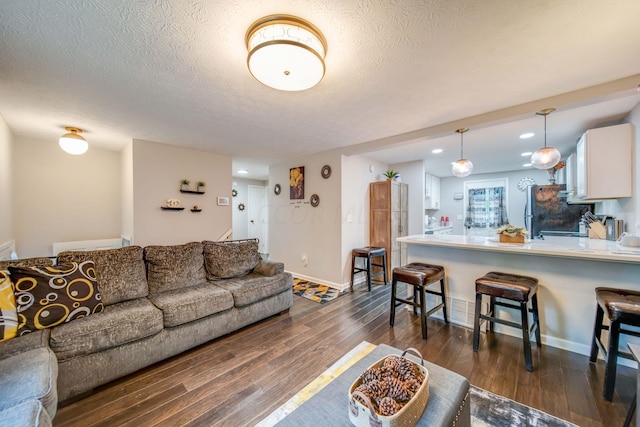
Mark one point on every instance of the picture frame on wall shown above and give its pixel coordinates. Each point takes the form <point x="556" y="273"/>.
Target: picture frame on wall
<point x="223" y="201"/>
<point x="296" y="183"/>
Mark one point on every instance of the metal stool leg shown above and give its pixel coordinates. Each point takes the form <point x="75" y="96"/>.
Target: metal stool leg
<point x="476" y="322"/>
<point x="353" y="265"/>
<point x="423" y="310"/>
<point x="384" y="268"/>
<point x="612" y="360"/>
<point x="524" y="312"/>
<point x="368" y="261"/>
<point x="444" y="301"/>
<point x="392" y="316"/>
<point x="597" y="333"/>
<point x="536" y="318"/>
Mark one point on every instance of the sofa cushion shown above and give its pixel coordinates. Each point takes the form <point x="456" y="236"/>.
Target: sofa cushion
<point x="117" y="324"/>
<point x="256" y="287"/>
<point x="188" y="304"/>
<point x="27" y="262"/>
<point x="30" y="413"/>
<point x="174" y="267"/>
<point x="8" y="309"/>
<point x="120" y="272"/>
<point x="224" y="260"/>
<point x="50" y="296"/>
<point x="27" y="376"/>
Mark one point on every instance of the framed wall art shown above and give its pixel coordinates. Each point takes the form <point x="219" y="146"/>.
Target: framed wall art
<point x="296" y="183"/>
<point x="223" y="201"/>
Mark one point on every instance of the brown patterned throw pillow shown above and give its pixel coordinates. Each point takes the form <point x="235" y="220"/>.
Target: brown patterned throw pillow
<point x="49" y="296"/>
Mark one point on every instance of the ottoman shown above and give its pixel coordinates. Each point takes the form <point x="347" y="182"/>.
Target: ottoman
<point x="449" y="402"/>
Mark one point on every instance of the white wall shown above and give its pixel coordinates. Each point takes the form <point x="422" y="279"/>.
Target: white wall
<point x="296" y="228"/>
<point x="517" y="199"/>
<point x="157" y="172"/>
<point x="6" y="217"/>
<point x="239" y="218"/>
<point x="61" y="197"/>
<point x="357" y="172"/>
<point x="413" y="175"/>
<point x="126" y="190"/>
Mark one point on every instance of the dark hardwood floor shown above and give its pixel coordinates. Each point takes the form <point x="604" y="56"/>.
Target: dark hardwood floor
<point x="239" y="379"/>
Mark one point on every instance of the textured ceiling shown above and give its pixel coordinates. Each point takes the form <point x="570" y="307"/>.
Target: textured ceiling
<point x="175" y="71"/>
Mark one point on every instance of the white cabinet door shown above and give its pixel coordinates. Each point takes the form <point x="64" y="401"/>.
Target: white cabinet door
<point x="431" y="192"/>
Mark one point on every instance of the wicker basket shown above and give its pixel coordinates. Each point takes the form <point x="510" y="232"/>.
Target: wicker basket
<point x="505" y="238"/>
<point x="366" y="416"/>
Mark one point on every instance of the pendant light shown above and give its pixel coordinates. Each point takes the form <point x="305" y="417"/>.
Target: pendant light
<point x="462" y="167"/>
<point x="545" y="157"/>
<point x="286" y="52"/>
<point x="72" y="142"/>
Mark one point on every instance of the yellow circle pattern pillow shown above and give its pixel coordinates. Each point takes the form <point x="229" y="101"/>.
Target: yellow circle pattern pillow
<point x="8" y="313"/>
<point x="50" y="296"/>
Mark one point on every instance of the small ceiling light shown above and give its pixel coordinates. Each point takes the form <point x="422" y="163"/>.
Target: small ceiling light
<point x="72" y="142"/>
<point x="436" y="150"/>
<point x="545" y="157"/>
<point x="462" y="167"/>
<point x="286" y="52"/>
<point x="527" y="135"/>
<point x="526" y="153"/>
<point x="243" y="171"/>
<point x="527" y="165"/>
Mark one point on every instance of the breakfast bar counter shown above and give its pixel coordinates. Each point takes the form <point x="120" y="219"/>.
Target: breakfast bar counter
<point x="568" y="269"/>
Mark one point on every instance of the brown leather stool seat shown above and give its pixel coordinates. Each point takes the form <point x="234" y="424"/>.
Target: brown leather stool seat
<point x="512" y="287"/>
<point x="622" y="307"/>
<point x="369" y="253"/>
<point x="420" y="276"/>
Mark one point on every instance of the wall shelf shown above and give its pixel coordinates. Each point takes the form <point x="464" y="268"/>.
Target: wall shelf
<point x="191" y="191"/>
<point x="196" y="210"/>
<point x="170" y="208"/>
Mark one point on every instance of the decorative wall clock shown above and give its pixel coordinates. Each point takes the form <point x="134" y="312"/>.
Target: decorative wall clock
<point x="314" y="200"/>
<point x="277" y="189"/>
<point x="241" y="207"/>
<point x="524" y="183"/>
<point x="234" y="192"/>
<point x="326" y="171"/>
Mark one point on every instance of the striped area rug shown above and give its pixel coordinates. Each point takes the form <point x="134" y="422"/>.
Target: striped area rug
<point x="315" y="291"/>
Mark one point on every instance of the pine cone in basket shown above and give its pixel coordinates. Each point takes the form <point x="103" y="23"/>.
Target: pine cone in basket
<point x="378" y="390"/>
<point x="406" y="369"/>
<point x="388" y="407"/>
<point x="364" y="389"/>
<point x="370" y="375"/>
<point x="397" y="390"/>
<point x="413" y="384"/>
<point x="391" y="363"/>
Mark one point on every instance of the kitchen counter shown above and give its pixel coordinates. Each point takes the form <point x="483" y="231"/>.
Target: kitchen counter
<point x="566" y="247"/>
<point x="568" y="269"/>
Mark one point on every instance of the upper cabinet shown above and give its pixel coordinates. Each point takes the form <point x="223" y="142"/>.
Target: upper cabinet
<point x="604" y="163"/>
<point x="431" y="192"/>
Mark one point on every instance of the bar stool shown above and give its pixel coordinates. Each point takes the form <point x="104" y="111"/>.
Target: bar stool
<point x="369" y="253"/>
<point x="420" y="276"/>
<point x="511" y="287"/>
<point x="622" y="307"/>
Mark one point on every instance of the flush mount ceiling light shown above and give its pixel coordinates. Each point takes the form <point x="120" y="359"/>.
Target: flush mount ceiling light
<point x="462" y="167"/>
<point x="286" y="52"/>
<point x="545" y="157"/>
<point x="72" y="142"/>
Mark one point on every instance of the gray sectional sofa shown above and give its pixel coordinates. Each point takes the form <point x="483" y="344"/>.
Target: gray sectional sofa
<point x="158" y="302"/>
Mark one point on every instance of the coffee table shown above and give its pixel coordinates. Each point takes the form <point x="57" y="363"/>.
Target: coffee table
<point x="324" y="402"/>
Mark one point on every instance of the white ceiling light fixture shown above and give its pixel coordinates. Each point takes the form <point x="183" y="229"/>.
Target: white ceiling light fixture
<point x="462" y="167"/>
<point x="545" y="157"/>
<point x="286" y="53"/>
<point x="436" y="150"/>
<point x="527" y="135"/>
<point x="243" y="171"/>
<point x="72" y="142"/>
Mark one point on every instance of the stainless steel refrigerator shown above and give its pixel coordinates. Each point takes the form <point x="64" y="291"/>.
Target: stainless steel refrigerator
<point x="548" y="213"/>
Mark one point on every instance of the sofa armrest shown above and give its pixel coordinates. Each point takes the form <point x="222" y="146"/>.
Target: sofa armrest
<point x="269" y="268"/>
<point x="24" y="343"/>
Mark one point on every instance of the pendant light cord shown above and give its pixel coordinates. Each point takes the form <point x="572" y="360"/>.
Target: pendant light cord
<point x="545" y="130"/>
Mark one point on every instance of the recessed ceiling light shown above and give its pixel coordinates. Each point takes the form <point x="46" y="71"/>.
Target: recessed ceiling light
<point x="527" y="135"/>
<point x="243" y="171"/>
<point x="527" y="165"/>
<point x="436" y="150"/>
<point x="526" y="153"/>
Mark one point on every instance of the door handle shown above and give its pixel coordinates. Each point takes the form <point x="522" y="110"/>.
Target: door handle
<point x="252" y="222"/>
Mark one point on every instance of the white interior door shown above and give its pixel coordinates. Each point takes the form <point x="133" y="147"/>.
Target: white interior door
<point x="258" y="217"/>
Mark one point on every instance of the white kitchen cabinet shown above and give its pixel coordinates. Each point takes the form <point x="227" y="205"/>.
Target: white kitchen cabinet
<point x="431" y="192"/>
<point x="603" y="163"/>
